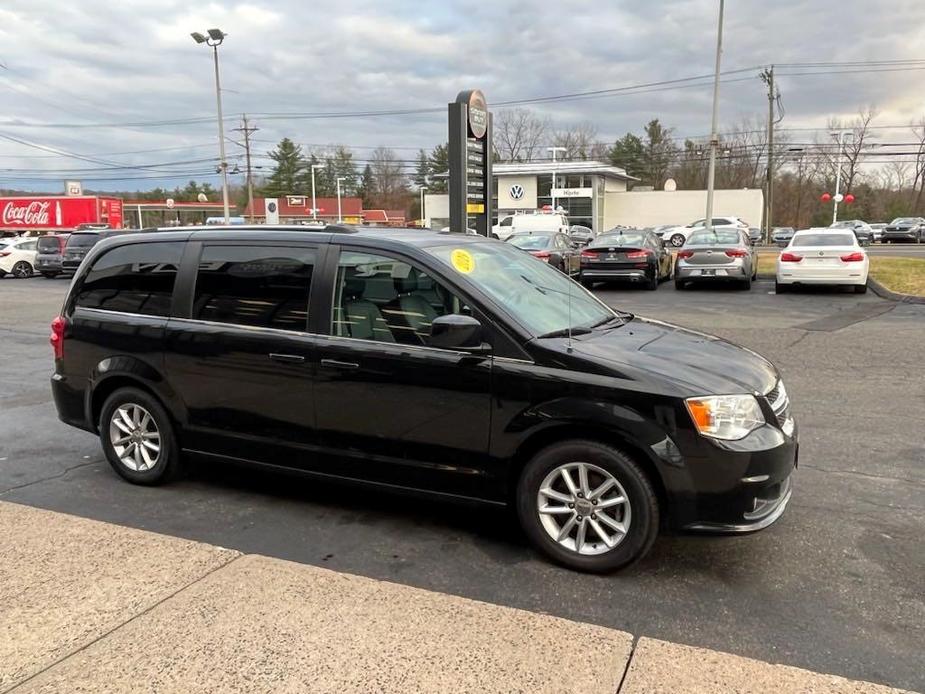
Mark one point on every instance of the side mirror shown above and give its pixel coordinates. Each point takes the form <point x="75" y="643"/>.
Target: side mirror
<point x="459" y="332"/>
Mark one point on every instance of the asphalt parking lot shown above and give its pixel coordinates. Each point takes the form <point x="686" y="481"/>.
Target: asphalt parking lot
<point x="835" y="586"/>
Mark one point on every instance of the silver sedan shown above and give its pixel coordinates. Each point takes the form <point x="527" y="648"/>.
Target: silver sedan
<point x="721" y="254"/>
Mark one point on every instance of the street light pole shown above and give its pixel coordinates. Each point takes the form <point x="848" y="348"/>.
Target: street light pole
<point x="314" y="201"/>
<point x="423" y="188"/>
<point x="554" y="169"/>
<point x="714" y="137"/>
<point x="841" y="148"/>
<point x="214" y="39"/>
<point x="339" y="217"/>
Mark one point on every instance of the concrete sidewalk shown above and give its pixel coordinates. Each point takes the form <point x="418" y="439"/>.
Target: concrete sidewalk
<point x="92" y="607"/>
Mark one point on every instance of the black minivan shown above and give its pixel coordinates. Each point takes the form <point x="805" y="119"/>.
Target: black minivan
<point x="442" y="363"/>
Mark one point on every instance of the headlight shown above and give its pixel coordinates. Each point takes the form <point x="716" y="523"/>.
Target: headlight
<point x="729" y="417"/>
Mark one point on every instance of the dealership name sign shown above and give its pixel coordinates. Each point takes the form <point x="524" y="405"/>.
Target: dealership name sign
<point x="572" y="192"/>
<point x="470" y="163"/>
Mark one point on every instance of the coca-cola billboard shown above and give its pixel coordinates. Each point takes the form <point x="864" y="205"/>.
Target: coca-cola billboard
<point x="59" y="212"/>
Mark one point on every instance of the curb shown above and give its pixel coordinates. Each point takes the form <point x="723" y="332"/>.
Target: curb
<point x="877" y="288"/>
<point x="885" y="293"/>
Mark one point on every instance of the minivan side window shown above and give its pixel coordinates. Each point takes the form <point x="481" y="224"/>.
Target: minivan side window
<point x="506" y="222"/>
<point x="137" y="278"/>
<point x="262" y="286"/>
<point x="387" y="300"/>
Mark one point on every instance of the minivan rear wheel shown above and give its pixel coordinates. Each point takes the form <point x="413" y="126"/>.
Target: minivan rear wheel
<point x="587" y="506"/>
<point x="138" y="437"/>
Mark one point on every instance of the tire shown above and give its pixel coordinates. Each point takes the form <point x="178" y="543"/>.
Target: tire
<point x="746" y="284"/>
<point x="166" y="464"/>
<point x="652" y="283"/>
<point x="678" y="284"/>
<point x="586" y="283"/>
<point x="2" y="274"/>
<point x="677" y="240"/>
<point x="639" y="512"/>
<point x="860" y="289"/>
<point x="22" y="270"/>
<point x="781" y="288"/>
<point x="50" y="275"/>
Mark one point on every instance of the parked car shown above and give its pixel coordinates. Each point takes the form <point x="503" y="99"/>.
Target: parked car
<point x="633" y="255"/>
<point x="720" y="255"/>
<point x="553" y="248"/>
<point x="537" y="221"/>
<point x="50" y="251"/>
<point x="876" y="230"/>
<point x="862" y="230"/>
<point x="754" y="235"/>
<point x="438" y="363"/>
<point x="79" y="244"/>
<point x="822" y="256"/>
<point x="676" y="236"/>
<point x="660" y="230"/>
<point x="581" y="235"/>
<point x="782" y="235"/>
<point x="905" y="229"/>
<point x="17" y="256"/>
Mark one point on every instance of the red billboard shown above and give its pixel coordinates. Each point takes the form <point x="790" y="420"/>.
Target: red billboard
<point x="60" y="212"/>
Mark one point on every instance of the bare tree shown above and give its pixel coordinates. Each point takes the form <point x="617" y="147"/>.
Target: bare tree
<point x="519" y="134"/>
<point x="390" y="185"/>
<point x="918" y="174"/>
<point x="580" y="142"/>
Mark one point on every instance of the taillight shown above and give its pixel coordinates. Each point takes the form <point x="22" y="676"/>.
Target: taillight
<point x="736" y="253"/>
<point x="855" y="257"/>
<point x="4" y="254"/>
<point x="685" y="254"/>
<point x="790" y="257"/>
<point x="633" y="255"/>
<point x="542" y="255"/>
<point x="589" y="254"/>
<point x="57" y="336"/>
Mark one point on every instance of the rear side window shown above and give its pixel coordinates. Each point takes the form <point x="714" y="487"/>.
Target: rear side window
<point x="137" y="278"/>
<point x="265" y="287"/>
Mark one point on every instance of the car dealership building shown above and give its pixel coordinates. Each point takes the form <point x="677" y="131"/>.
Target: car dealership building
<point x="596" y="195"/>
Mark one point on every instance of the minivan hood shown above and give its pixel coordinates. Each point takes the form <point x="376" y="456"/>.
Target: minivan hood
<point x="689" y="360"/>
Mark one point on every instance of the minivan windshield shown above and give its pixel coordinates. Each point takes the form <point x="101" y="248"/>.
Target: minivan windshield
<point x="82" y="240"/>
<point x="535" y="294"/>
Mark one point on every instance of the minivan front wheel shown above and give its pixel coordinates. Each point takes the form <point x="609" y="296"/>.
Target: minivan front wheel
<point x="587" y="506"/>
<point x="137" y="437"/>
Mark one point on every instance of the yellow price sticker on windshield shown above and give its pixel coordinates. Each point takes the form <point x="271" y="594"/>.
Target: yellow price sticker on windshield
<point x="462" y="260"/>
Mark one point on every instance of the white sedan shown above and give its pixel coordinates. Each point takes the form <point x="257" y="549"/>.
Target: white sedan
<point x="17" y="256"/>
<point x="822" y="256"/>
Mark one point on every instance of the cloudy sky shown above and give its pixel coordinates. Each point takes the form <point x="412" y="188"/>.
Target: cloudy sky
<point x="68" y="68"/>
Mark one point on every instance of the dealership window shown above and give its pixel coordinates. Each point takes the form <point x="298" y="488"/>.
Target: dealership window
<point x="136" y="278"/>
<point x="265" y="287"/>
<point x="543" y="185"/>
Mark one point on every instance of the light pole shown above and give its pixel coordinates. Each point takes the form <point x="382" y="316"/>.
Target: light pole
<point x="714" y="137"/>
<point x="840" y="137"/>
<point x="314" y="203"/>
<point x="552" y="191"/>
<point x="339" y="179"/>
<point x="214" y="39"/>
<point x="423" y="188"/>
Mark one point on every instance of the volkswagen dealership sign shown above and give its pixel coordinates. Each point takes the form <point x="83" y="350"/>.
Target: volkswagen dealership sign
<point x="517" y="192"/>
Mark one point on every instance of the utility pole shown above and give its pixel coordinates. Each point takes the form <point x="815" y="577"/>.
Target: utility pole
<point x="767" y="76"/>
<point x="714" y="136"/>
<point x="247" y="130"/>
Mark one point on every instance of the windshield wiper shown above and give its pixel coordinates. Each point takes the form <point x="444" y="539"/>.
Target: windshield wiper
<point x="564" y="332"/>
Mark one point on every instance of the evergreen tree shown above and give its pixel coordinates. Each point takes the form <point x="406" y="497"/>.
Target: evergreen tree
<point x="287" y="177"/>
<point x="367" y="187"/>
<point x="422" y="171"/>
<point x="438" y="169"/>
<point x="627" y="153"/>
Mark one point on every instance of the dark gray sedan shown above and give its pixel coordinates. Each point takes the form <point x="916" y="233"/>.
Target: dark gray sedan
<point x="720" y="255"/>
<point x="904" y="230"/>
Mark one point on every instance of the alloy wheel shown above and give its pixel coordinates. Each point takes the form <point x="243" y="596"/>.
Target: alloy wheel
<point x="134" y="436"/>
<point x="22" y="269"/>
<point x="583" y="508"/>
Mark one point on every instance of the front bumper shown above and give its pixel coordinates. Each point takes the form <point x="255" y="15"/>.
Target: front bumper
<point x="899" y="236"/>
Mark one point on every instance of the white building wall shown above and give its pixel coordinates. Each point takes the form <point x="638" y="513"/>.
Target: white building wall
<point x="507" y="202"/>
<point x="654" y="207"/>
<point x="436" y="208"/>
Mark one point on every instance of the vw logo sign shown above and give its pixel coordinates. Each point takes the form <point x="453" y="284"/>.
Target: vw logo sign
<point x="517" y="191"/>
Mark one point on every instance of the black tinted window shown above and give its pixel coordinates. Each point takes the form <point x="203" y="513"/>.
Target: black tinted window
<point x="48" y="244"/>
<point x="136" y="279"/>
<point x="82" y="240"/>
<point x="248" y="285"/>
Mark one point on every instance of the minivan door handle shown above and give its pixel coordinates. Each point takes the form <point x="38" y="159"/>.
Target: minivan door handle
<point x="336" y="364"/>
<point x="287" y="358"/>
